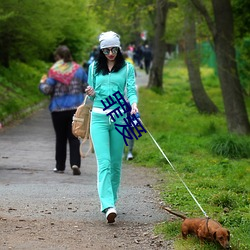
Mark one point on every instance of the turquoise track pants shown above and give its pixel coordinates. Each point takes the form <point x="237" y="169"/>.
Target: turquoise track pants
<point x="108" y="145"/>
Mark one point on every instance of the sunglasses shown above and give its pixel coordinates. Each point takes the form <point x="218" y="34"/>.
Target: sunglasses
<point x="106" y="51"/>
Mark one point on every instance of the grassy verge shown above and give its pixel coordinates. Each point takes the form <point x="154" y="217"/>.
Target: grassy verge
<point x="213" y="164"/>
<point x="19" y="88"/>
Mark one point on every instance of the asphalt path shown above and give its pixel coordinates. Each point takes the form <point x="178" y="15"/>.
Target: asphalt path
<point x="26" y="164"/>
<point x="31" y="190"/>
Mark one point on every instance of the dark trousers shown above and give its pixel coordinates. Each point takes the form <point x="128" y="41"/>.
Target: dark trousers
<point x="62" y="122"/>
<point x="147" y="65"/>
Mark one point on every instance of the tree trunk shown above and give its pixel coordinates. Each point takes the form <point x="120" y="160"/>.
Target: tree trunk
<point x="201" y="99"/>
<point x="223" y="38"/>
<point x="159" y="47"/>
<point x="235" y="109"/>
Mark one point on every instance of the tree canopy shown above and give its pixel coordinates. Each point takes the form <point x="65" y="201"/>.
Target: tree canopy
<point x="28" y="33"/>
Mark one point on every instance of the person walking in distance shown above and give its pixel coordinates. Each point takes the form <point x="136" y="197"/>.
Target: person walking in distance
<point x="108" y="75"/>
<point x="65" y="84"/>
<point x="147" y="54"/>
<point x="130" y="141"/>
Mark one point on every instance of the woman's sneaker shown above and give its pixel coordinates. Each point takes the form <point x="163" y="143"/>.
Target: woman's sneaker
<point x="76" y="170"/>
<point x="130" y="156"/>
<point x="58" y="171"/>
<point x="111" y="214"/>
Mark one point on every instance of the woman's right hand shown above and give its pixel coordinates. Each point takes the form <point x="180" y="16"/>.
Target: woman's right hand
<point x="90" y="91"/>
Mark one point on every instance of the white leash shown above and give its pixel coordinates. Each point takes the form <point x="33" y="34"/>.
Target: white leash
<point x="174" y="170"/>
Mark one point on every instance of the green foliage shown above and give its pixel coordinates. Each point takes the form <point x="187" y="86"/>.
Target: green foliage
<point x="243" y="59"/>
<point x="28" y="33"/>
<point x="175" y="28"/>
<point x="128" y="18"/>
<point x="231" y="146"/>
<point x="175" y="25"/>
<point x="219" y="183"/>
<point x="241" y="17"/>
<point x="19" y="87"/>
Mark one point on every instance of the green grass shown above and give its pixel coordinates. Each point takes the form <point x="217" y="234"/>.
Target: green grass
<point x="214" y="164"/>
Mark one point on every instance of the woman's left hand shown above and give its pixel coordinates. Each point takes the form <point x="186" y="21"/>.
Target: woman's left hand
<point x="134" y="109"/>
<point x="90" y="91"/>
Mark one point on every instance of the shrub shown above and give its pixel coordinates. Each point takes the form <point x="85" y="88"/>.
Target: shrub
<point x="231" y="146"/>
<point x="223" y="200"/>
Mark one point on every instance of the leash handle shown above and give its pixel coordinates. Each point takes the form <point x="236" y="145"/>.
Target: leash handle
<point x="174" y="170"/>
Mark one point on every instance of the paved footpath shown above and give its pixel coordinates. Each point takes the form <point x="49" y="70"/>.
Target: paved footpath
<point x="31" y="192"/>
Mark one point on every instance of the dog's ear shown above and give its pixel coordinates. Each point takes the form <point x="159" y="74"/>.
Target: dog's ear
<point x="214" y="235"/>
<point x="228" y="237"/>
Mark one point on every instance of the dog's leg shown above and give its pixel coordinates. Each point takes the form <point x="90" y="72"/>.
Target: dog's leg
<point x="184" y="235"/>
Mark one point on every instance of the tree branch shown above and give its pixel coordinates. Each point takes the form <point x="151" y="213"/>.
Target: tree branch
<point x="202" y="9"/>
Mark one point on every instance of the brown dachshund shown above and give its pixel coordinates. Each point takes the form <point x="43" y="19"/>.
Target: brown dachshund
<point x="204" y="229"/>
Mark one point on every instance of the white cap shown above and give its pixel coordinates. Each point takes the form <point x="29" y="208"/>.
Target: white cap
<point x="109" y="39"/>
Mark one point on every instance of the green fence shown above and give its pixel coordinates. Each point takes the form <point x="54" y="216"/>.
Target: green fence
<point x="208" y="58"/>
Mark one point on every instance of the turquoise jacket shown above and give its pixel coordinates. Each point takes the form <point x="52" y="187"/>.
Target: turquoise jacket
<point x="106" y="85"/>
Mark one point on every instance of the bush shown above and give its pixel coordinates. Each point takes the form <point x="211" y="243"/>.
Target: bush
<point x="19" y="88"/>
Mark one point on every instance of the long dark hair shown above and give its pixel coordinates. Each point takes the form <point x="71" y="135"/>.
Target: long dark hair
<point x="102" y="67"/>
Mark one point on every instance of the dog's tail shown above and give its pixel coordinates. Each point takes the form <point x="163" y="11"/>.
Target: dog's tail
<point x="175" y="213"/>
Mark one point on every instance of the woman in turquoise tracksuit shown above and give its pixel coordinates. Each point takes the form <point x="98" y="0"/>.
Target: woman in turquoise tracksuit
<point x="107" y="75"/>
